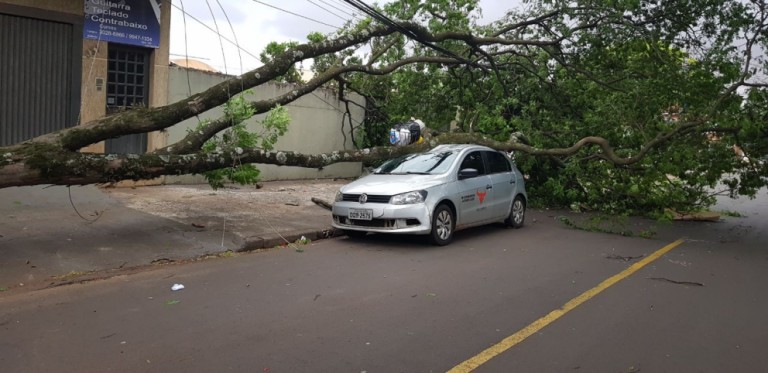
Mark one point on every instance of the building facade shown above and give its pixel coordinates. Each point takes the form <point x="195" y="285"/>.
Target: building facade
<point x="67" y="62"/>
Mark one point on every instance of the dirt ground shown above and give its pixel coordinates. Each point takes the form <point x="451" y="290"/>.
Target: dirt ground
<point x="233" y="207"/>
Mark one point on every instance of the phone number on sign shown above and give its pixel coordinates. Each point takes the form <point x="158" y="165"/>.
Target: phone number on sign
<point x="139" y="37"/>
<point x="113" y="33"/>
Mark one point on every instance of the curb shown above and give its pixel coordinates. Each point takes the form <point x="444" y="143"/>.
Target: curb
<point x="269" y="241"/>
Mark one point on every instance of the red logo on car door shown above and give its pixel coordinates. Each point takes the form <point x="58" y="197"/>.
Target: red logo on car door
<point x="481" y="195"/>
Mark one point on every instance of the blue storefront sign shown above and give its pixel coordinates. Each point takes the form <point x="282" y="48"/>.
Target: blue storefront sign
<point x="134" y="22"/>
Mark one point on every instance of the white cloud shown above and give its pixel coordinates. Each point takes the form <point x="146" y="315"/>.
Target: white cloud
<point x="256" y="24"/>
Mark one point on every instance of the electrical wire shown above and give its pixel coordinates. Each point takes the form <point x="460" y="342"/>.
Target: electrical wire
<point x="234" y="34"/>
<point x="345" y="5"/>
<point x="221" y="44"/>
<point x="375" y="14"/>
<point x="295" y="14"/>
<point x="98" y="214"/>
<point x="239" y="48"/>
<point x="334" y="107"/>
<point x="337" y="8"/>
<point x="211" y="29"/>
<point x="186" y="52"/>
<point x="325" y="9"/>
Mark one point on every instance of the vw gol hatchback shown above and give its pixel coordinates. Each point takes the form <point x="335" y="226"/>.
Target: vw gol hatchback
<point x="435" y="193"/>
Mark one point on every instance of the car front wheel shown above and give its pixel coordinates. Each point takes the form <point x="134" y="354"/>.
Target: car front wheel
<point x="443" y="224"/>
<point x="516" y="217"/>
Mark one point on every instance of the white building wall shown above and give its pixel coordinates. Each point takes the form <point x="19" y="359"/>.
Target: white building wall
<point x="316" y="124"/>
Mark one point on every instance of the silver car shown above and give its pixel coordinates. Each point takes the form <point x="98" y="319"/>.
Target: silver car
<point x="448" y="188"/>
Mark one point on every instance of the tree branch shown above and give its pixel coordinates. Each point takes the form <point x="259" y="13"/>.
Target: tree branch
<point x="72" y="168"/>
<point x="194" y="140"/>
<point x="142" y="120"/>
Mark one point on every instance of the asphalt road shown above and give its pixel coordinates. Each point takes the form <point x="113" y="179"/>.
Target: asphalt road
<point x="397" y="304"/>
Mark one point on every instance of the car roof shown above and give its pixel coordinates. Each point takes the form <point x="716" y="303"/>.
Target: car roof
<point x="459" y="147"/>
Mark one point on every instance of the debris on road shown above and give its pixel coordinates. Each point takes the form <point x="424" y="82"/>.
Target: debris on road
<point x="162" y="261"/>
<point x="695" y="216"/>
<point x="679" y="262"/>
<point x="624" y="258"/>
<point x="322" y="203"/>
<point x="676" y="282"/>
<point x="172" y="302"/>
<point x="177" y="287"/>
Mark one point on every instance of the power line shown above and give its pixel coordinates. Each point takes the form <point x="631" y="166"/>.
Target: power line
<point x="186" y="49"/>
<point x="339" y="9"/>
<point x="216" y="24"/>
<point x="375" y="14"/>
<point x="245" y="50"/>
<point x="234" y="34"/>
<point x="345" y="5"/>
<point x="334" y="107"/>
<point x="325" y="9"/>
<point x="211" y="29"/>
<point x="295" y="14"/>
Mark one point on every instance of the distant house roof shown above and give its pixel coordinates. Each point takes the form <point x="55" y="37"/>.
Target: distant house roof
<point x="194" y="64"/>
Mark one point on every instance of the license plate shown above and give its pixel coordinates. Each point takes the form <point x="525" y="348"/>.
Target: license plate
<point x="361" y="214"/>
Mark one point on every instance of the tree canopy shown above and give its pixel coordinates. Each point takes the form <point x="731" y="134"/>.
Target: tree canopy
<point x="621" y="105"/>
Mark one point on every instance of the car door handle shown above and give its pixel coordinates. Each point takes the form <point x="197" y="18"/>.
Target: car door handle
<point x="512" y="181"/>
<point x="488" y="187"/>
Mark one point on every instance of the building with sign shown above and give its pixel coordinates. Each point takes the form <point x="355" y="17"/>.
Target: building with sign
<point x="66" y="62"/>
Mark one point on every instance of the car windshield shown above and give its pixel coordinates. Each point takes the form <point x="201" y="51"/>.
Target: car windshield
<point x="418" y="164"/>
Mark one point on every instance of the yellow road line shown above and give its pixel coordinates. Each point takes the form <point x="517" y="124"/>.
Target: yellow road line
<point x="509" y="342"/>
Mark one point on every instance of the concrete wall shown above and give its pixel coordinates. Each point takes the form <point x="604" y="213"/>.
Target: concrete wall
<point x="316" y="124"/>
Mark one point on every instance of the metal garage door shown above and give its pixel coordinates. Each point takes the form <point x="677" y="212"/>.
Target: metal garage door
<point x="36" y="77"/>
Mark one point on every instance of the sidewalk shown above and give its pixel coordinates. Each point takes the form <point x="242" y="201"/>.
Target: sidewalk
<point x="44" y="241"/>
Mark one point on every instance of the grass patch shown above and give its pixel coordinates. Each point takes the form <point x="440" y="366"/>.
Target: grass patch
<point x="228" y="254"/>
<point x="606" y="224"/>
<point x="733" y="214"/>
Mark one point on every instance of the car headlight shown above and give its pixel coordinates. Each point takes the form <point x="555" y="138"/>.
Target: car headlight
<point x="409" y="198"/>
<point x="339" y="196"/>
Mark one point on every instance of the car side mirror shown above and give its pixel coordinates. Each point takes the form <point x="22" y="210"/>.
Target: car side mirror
<point x="468" y="173"/>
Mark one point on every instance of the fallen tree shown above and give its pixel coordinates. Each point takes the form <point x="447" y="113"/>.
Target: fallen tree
<point x="57" y="167"/>
<point x="562" y="83"/>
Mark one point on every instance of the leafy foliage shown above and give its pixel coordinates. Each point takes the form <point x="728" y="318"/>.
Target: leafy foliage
<point x="239" y="137"/>
<point x="637" y="70"/>
<point x="274" y="50"/>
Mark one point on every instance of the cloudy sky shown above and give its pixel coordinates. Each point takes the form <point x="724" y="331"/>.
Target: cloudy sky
<point x="257" y="22"/>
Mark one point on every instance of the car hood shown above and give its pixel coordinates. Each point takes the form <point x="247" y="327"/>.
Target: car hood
<point x="390" y="185"/>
